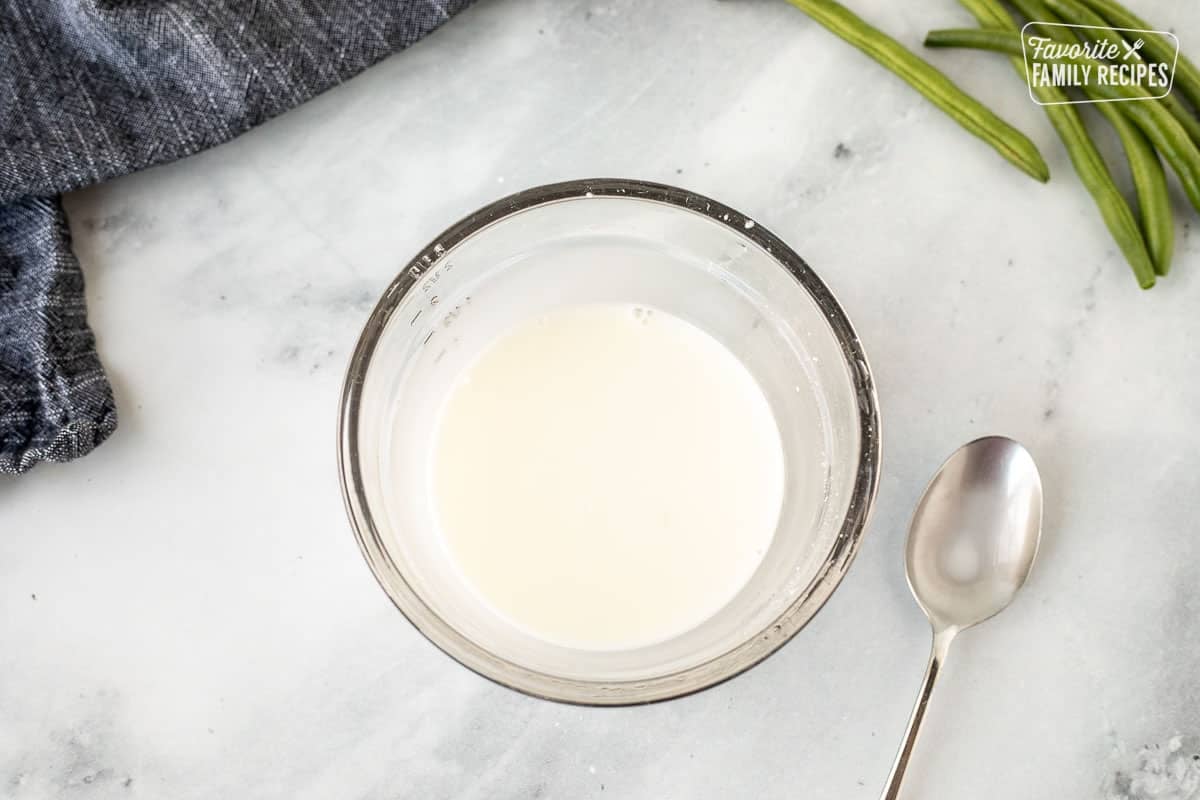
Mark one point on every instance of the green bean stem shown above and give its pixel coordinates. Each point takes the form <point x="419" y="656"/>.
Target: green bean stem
<point x="926" y="79"/>
<point x="1084" y="155"/>
<point x="1187" y="74"/>
<point x="1096" y="29"/>
<point x="1163" y="130"/>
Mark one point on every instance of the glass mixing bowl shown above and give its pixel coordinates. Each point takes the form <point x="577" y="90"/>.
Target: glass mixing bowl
<point x="659" y="247"/>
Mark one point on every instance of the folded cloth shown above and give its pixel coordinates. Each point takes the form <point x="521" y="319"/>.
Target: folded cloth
<point x="92" y="89"/>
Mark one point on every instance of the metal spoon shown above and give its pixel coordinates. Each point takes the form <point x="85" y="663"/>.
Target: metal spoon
<point x="972" y="541"/>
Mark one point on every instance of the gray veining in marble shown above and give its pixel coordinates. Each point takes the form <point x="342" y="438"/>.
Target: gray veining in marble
<point x="184" y="613"/>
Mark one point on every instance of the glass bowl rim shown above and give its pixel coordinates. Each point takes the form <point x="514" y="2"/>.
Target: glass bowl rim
<point x="718" y="669"/>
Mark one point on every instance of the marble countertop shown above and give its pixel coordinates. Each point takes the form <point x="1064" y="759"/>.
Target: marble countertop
<point x="184" y="613"/>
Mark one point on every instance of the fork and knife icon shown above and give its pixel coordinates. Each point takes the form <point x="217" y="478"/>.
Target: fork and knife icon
<point x="1132" y="48"/>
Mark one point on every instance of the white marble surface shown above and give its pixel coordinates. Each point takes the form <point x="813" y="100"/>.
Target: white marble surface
<point x="184" y="613"/>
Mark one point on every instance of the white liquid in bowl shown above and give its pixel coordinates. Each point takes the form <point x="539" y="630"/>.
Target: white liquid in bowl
<point x="607" y="476"/>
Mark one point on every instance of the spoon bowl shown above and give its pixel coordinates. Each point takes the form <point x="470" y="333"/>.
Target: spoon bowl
<point x="975" y="533"/>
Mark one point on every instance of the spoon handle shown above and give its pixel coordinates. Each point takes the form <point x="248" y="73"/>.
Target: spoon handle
<point x="937" y="657"/>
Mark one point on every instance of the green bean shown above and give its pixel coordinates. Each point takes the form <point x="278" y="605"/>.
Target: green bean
<point x="926" y="79"/>
<point x="1150" y="184"/>
<point x="1163" y="130"/>
<point x="1187" y="74"/>
<point x="997" y="41"/>
<point x="1084" y="155"/>
<point x="1096" y="29"/>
